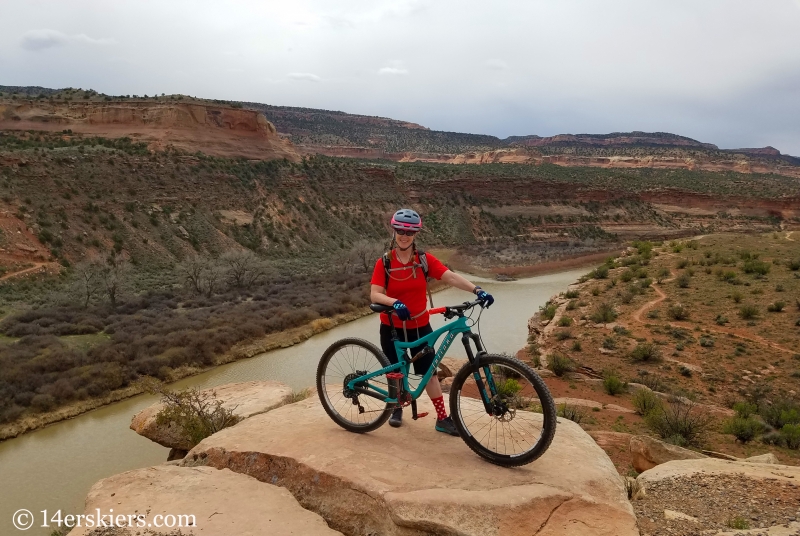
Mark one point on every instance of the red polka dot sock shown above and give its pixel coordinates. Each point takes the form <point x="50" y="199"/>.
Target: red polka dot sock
<point x="438" y="403"/>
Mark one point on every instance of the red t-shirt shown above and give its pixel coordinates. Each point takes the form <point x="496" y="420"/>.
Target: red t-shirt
<point x="408" y="289"/>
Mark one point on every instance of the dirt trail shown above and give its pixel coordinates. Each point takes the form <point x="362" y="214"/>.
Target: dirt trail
<point x="739" y="333"/>
<point x="36" y="266"/>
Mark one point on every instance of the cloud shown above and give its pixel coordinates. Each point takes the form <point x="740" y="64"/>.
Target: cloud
<point x="305" y="76"/>
<point x="496" y="65"/>
<point x="392" y="71"/>
<point x="36" y="40"/>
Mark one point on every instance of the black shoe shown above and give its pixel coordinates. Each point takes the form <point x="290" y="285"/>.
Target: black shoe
<point x="447" y="426"/>
<point x="397" y="418"/>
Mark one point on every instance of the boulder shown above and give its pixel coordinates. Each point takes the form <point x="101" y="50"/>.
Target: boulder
<point x="413" y="480"/>
<point x="763" y="458"/>
<point x="246" y="399"/>
<point x="714" y="466"/>
<point x="449" y="367"/>
<point x="647" y="452"/>
<point x="223" y="503"/>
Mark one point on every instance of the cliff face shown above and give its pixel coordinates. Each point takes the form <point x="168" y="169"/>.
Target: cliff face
<point x="216" y="130"/>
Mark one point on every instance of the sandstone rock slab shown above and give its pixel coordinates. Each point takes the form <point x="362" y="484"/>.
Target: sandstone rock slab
<point x="714" y="466"/>
<point x="248" y="399"/>
<point x="413" y="480"/>
<point x="223" y="503"/>
<point x="763" y="458"/>
<point x="648" y="452"/>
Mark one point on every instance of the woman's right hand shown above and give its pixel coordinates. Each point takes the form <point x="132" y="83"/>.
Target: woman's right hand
<point x="402" y="311"/>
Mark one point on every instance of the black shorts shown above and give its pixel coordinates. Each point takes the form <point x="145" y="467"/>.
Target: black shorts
<point x="422" y="365"/>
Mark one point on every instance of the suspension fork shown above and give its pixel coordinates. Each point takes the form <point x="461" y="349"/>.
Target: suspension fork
<point x="475" y="362"/>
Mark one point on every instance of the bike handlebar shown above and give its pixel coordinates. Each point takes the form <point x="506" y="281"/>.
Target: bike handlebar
<point x="454" y="309"/>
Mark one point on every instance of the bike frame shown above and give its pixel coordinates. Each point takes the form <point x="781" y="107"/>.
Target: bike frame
<point x="403" y="365"/>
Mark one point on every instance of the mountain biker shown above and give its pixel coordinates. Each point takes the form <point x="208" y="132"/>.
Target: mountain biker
<point x="402" y="284"/>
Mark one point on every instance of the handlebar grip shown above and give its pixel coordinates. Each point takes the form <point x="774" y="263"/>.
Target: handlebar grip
<point x="437" y="311"/>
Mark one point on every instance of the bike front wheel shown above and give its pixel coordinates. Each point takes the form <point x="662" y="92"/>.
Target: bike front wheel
<point x="503" y="410"/>
<point x="343" y="361"/>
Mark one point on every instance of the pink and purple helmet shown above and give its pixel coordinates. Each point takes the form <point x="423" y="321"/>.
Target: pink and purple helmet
<point x="407" y="220"/>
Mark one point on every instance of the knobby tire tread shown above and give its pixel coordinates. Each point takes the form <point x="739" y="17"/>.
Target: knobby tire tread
<point x="546" y="399"/>
<point x="332" y="413"/>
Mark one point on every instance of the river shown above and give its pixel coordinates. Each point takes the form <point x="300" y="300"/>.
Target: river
<point x="53" y="468"/>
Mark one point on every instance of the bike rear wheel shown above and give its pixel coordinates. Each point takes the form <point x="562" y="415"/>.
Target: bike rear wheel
<point x="521" y="422"/>
<point x="344" y="360"/>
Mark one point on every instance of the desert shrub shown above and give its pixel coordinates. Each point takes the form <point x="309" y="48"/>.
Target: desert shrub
<point x="560" y="364"/>
<point x="612" y="384"/>
<point x="564" y="322"/>
<point x="790" y="435"/>
<point x="685" y="371"/>
<point x="779" y="288"/>
<point x="776" y="307"/>
<point x="736" y="297"/>
<point x="737" y="523"/>
<point x="721" y="320"/>
<point x="772" y="438"/>
<point x="626" y="297"/>
<point x="572" y="305"/>
<point x="604" y="313"/>
<point x="647" y="352"/>
<point x="653" y="381"/>
<point x="624" y="332"/>
<point x="601" y="272"/>
<point x="654" y="314"/>
<point x="745" y="409"/>
<point x="548" y="310"/>
<point x="780" y="413"/>
<point x="576" y="346"/>
<point x="42" y="402"/>
<point x="595" y="291"/>
<point x="794" y="265"/>
<point x="683" y="280"/>
<point x="609" y="343"/>
<point x="678" y="311"/>
<point x="645" y="401"/>
<point x="680" y="423"/>
<point x="748" y="311"/>
<point x="563" y="334"/>
<point x="754" y="266"/>
<point x="197" y="414"/>
<point x="706" y="342"/>
<point x="682" y="263"/>
<point x="574" y="413"/>
<point x="571" y="294"/>
<point x="663" y="273"/>
<point x="745" y="429"/>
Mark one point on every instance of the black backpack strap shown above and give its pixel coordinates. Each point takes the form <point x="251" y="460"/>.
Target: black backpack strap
<point x="387" y="264"/>
<point x="423" y="260"/>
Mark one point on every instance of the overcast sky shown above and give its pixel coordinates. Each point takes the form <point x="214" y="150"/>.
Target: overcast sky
<point x="721" y="71"/>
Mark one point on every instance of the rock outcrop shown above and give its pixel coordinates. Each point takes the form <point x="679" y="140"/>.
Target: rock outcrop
<point x="214" y="130"/>
<point x="714" y="466"/>
<point x="245" y="399"/>
<point x="414" y="480"/>
<point x="222" y="503"/>
<point x="648" y="452"/>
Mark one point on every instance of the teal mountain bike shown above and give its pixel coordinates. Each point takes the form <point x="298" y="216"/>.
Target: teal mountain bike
<point x="501" y="408"/>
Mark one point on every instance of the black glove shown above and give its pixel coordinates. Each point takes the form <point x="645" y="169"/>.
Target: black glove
<point x="402" y="311"/>
<point x="485" y="297"/>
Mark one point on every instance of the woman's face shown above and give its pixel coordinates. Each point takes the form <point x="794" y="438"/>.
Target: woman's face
<point x="404" y="241"/>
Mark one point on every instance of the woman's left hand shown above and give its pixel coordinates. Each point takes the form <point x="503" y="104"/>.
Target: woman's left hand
<point x="487" y="298"/>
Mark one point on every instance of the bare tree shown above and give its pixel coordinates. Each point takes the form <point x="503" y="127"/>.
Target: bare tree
<point x="244" y="268"/>
<point x="201" y="274"/>
<point x="87" y="282"/>
<point x="114" y="279"/>
<point x="364" y="253"/>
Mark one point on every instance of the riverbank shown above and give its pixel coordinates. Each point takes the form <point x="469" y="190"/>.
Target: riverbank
<point x="458" y="262"/>
<point x="273" y="341"/>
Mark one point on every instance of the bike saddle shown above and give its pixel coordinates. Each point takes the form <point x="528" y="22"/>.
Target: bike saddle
<point x="378" y="308"/>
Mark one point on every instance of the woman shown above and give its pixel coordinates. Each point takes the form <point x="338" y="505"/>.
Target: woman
<point x="403" y="286"/>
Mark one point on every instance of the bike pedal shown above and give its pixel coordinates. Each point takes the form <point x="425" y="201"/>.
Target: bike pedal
<point x="420" y="415"/>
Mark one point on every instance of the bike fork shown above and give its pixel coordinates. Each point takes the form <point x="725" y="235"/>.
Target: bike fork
<point x="474" y="360"/>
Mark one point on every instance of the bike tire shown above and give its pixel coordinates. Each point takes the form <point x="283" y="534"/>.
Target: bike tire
<point x="463" y="408"/>
<point x="359" y="355"/>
